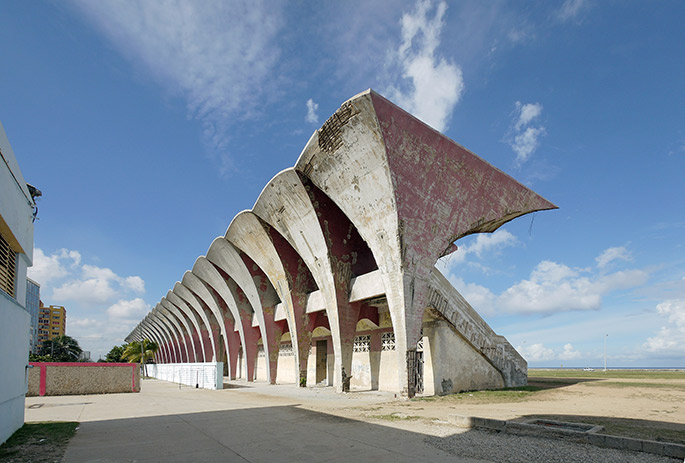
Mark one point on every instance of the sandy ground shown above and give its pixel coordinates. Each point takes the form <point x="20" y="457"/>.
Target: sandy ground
<point x="649" y="403"/>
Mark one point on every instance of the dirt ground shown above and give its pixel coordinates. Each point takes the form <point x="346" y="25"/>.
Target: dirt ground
<point x="642" y="407"/>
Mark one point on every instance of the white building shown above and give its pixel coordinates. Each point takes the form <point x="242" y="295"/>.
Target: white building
<point x="16" y="255"/>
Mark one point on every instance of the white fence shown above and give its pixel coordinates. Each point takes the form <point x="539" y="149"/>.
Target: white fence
<point x="207" y="375"/>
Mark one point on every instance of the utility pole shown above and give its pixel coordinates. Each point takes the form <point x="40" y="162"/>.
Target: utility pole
<point x="605" y="351"/>
<point x="142" y="364"/>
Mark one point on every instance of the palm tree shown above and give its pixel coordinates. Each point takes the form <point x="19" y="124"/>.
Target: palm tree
<point x="140" y="352"/>
<point x="61" y="349"/>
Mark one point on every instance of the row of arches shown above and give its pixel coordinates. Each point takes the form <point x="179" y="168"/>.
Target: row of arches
<point x="359" y="222"/>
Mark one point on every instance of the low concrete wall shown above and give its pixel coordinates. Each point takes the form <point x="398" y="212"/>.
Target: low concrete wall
<point x="48" y="378"/>
<point x="207" y="375"/>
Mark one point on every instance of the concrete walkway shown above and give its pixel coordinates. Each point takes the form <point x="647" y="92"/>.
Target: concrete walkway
<point x="172" y="424"/>
<point x="263" y="423"/>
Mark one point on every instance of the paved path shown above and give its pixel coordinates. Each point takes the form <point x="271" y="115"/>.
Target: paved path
<point x="264" y="423"/>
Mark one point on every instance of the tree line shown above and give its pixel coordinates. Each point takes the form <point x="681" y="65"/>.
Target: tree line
<point x="66" y="349"/>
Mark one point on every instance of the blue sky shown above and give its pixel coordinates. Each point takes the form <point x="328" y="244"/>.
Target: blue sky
<point x="149" y="125"/>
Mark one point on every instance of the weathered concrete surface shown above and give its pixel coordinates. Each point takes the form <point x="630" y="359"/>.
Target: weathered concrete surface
<point x="397" y="180"/>
<point x="375" y="198"/>
<point x="48" y="378"/>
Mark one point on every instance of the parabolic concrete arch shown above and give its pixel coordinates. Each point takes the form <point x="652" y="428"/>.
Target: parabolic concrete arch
<point x="196" y="321"/>
<point x="247" y="233"/>
<point x="226" y="258"/>
<point x="198" y="289"/>
<point x="164" y="328"/>
<point x="176" y="328"/>
<point x="285" y="205"/>
<point x="189" y="300"/>
<point x="232" y="322"/>
<point x="157" y="324"/>
<point x="188" y="331"/>
<point x="353" y="232"/>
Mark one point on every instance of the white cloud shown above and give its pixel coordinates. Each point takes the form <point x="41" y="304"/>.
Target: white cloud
<point x="569" y="353"/>
<point x="48" y="268"/>
<point x="131" y="309"/>
<point x="63" y="278"/>
<point x="670" y="338"/>
<point x="82" y="322"/>
<point x="482" y="244"/>
<point x="536" y="352"/>
<point x="218" y="55"/>
<point x="571" y="9"/>
<point x="527" y="113"/>
<point x="432" y="85"/>
<point x="135" y="284"/>
<point x="525" y="139"/>
<point x="611" y="254"/>
<point x="552" y="287"/>
<point x="311" y="116"/>
<point x="102" y="306"/>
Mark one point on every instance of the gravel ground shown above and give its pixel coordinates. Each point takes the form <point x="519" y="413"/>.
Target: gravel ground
<point x="499" y="447"/>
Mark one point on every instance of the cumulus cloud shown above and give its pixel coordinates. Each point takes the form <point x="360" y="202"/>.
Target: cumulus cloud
<point x="536" y="352"/>
<point x="52" y="267"/>
<point x="311" y="116"/>
<point x="569" y="353"/>
<point x="131" y="309"/>
<point x="671" y="337"/>
<point x="97" y="285"/>
<point x="218" y="55"/>
<point x="431" y="85"/>
<point x="64" y="278"/>
<point x="524" y="138"/>
<point x="552" y="287"/>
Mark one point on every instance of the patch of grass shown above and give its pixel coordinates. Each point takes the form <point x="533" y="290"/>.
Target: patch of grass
<point x="396" y="417"/>
<point x="512" y="394"/>
<point x="609" y="374"/>
<point x="617" y="384"/>
<point x="38" y="442"/>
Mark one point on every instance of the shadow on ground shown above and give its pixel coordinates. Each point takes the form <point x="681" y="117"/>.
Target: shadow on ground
<point x="290" y="433"/>
<point x="555" y="383"/>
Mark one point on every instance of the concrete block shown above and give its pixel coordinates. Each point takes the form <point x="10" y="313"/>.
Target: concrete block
<point x="674" y="450"/>
<point x="631" y="444"/>
<point x="651" y="446"/>
<point x="488" y="423"/>
<point x="614" y="442"/>
<point x="596" y="439"/>
<point x="461" y="421"/>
